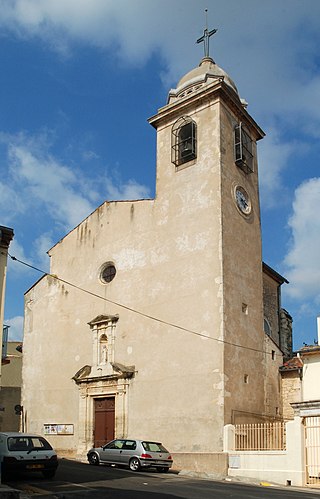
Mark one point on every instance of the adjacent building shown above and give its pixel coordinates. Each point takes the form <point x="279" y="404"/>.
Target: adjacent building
<point x="6" y="236"/>
<point x="300" y="375"/>
<point x="10" y="393"/>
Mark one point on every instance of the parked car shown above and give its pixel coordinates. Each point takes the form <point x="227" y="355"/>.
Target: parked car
<point x="27" y="452"/>
<point x="136" y="454"/>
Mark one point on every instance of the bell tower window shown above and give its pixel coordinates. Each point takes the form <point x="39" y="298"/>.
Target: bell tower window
<point x="243" y="149"/>
<point x="184" y="141"/>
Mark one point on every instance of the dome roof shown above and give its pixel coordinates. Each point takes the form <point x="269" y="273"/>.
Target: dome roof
<point x="201" y="75"/>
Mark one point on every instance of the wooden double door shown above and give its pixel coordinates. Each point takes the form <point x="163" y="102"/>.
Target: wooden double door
<point x="104" y="420"/>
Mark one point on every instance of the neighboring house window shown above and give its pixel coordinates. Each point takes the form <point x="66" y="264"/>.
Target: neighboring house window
<point x="243" y="149"/>
<point x="267" y="327"/>
<point x="184" y="141"/>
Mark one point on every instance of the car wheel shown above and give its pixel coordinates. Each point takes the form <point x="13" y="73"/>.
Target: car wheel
<point x="134" y="464"/>
<point x="49" y="473"/>
<point x="93" y="459"/>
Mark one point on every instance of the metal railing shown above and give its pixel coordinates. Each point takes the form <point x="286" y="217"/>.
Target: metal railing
<point x="260" y="436"/>
<point x="312" y="439"/>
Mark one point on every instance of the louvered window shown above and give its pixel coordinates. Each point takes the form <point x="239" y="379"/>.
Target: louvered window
<point x="243" y="149"/>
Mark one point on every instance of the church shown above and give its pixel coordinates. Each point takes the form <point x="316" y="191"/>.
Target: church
<point x="159" y="319"/>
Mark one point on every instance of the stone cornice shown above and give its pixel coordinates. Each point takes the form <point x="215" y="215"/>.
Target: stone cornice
<point x="307" y="408"/>
<point x="6" y="236"/>
<point x="216" y="90"/>
<point x="103" y="319"/>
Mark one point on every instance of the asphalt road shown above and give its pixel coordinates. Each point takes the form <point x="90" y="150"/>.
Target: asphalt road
<point x="80" y="480"/>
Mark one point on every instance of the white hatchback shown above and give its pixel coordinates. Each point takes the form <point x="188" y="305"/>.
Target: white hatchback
<point x="26" y="452"/>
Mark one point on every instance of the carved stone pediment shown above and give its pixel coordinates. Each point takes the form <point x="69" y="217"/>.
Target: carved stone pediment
<point x="124" y="371"/>
<point x="120" y="371"/>
<point x="102" y="319"/>
<point x="82" y="373"/>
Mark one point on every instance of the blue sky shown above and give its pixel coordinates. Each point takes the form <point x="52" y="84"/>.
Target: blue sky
<point x="80" y="78"/>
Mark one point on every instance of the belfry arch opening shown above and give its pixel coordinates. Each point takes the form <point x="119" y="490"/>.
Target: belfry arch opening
<point x="184" y="141"/>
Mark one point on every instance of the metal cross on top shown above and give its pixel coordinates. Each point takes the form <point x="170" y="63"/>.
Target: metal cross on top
<point x="206" y="36"/>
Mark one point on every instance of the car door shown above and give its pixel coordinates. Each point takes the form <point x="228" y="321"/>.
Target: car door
<point x="129" y="449"/>
<point x="111" y="453"/>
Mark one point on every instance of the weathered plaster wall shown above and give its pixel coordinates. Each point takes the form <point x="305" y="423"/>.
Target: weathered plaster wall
<point x="161" y="271"/>
<point x="242" y="286"/>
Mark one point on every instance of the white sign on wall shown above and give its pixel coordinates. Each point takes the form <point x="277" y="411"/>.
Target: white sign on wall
<point x="58" y="429"/>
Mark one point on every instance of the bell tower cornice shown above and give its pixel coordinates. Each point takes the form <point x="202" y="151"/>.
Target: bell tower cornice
<point x="218" y="89"/>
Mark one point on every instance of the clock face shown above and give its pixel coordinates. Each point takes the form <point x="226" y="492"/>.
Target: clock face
<point x="243" y="201"/>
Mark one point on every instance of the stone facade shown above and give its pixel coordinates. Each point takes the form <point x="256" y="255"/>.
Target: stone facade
<point x="286" y="334"/>
<point x="156" y="305"/>
<point x="291" y="389"/>
<point x="277" y="321"/>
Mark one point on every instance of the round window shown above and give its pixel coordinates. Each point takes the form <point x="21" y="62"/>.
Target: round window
<point x="108" y="273"/>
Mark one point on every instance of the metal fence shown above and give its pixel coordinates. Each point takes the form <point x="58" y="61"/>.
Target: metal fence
<point x="312" y="436"/>
<point x="260" y="436"/>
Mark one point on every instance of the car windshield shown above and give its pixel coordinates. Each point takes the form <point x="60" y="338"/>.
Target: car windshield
<point x="154" y="447"/>
<point x="30" y="443"/>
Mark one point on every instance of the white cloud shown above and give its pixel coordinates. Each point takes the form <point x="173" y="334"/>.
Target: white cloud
<point x="136" y="28"/>
<point x="40" y="181"/>
<point x="16" y="250"/>
<point x="302" y="259"/>
<point x="9" y="198"/>
<point x="49" y="184"/>
<point x="273" y="159"/>
<point x="16" y="328"/>
<point x="130" y="190"/>
<point x="274" y="62"/>
<point x="38" y="249"/>
<point x="42" y="244"/>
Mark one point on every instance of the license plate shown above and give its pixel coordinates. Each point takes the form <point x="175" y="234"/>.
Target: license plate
<point x="35" y="466"/>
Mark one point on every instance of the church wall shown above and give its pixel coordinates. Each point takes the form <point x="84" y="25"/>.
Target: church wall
<point x="188" y="272"/>
<point x="198" y="186"/>
<point x="242" y="285"/>
<point x="162" y="271"/>
<point x="273" y="359"/>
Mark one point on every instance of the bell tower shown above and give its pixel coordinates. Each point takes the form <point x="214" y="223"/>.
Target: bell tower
<point x="207" y="194"/>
